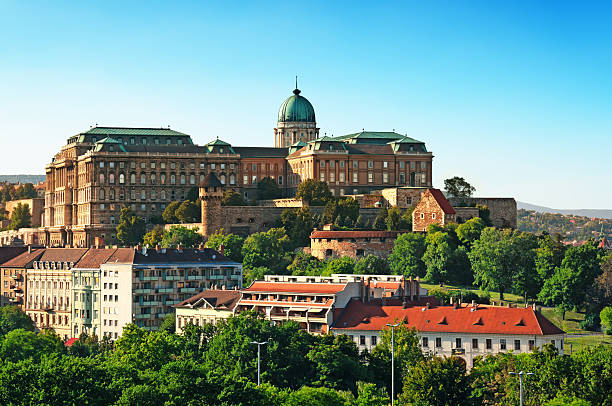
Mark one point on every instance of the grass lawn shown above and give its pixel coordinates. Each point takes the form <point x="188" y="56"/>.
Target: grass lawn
<point x="508" y="297"/>
<point x="571" y="324"/>
<point x="573" y="344"/>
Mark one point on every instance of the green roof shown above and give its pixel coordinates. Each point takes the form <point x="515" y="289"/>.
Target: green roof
<point x="133" y="131"/>
<point x="220" y="144"/>
<point x="296" y="108"/>
<point x="99" y="145"/>
<point x="373" y="137"/>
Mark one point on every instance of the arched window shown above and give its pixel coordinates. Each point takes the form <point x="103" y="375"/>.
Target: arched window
<point x="222" y="179"/>
<point x="153" y="194"/>
<point x="121" y="178"/>
<point x="163" y="195"/>
<point x="102" y="195"/>
<point x="143" y="194"/>
<point x="101" y="178"/>
<point x="143" y="179"/>
<point x="133" y="178"/>
<point x="162" y="178"/>
<point x="192" y="179"/>
<point x="182" y="179"/>
<point x="232" y="180"/>
<point x="111" y="177"/>
<point x="111" y="194"/>
<point x="153" y="178"/>
<point x="172" y="179"/>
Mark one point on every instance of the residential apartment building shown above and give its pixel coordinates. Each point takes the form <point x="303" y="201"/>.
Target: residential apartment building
<point x="315" y="301"/>
<point x="209" y="307"/>
<point x="463" y="330"/>
<point x="13" y="273"/>
<point x="49" y="287"/>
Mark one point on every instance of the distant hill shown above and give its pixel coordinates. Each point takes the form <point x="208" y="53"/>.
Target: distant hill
<point x="597" y="213"/>
<point x="22" y="178"/>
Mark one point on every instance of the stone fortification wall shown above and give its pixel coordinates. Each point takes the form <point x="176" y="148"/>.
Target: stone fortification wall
<point x="297" y="203"/>
<point x="503" y="209"/>
<point x="465" y="213"/>
<point x="356" y="248"/>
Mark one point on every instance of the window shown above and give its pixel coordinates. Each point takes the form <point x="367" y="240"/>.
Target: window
<point x="374" y="340"/>
<point x="361" y="340"/>
<point x="182" y="179"/>
<point x="121" y="178"/>
<point x="133" y="178"/>
<point x="322" y="176"/>
<point x="423" y="165"/>
<point x="322" y="164"/>
<point x="370" y="164"/>
<point x="412" y="165"/>
<point x="101" y="178"/>
<point x="332" y="177"/>
<point x="143" y="179"/>
<point x="102" y="164"/>
<point x="355" y="164"/>
<point x="280" y="179"/>
<point x="341" y="164"/>
<point x="232" y="180"/>
<point x="458" y="342"/>
<point x="192" y="180"/>
<point x="385" y="177"/>
<point x="433" y="216"/>
<point x="254" y="167"/>
<point x="531" y="345"/>
<point x="153" y="178"/>
<point x="254" y="180"/>
<point x="402" y="164"/>
<point x="422" y="215"/>
<point x="425" y="342"/>
<point x="245" y="180"/>
<point x="402" y="177"/>
<point x="488" y="344"/>
<point x="370" y="177"/>
<point x="143" y="194"/>
<point x="341" y="176"/>
<point x="355" y="177"/>
<point x="438" y="342"/>
<point x="385" y="164"/>
<point x="517" y="345"/>
<point x="332" y="164"/>
<point x="474" y="343"/>
<point x="502" y="344"/>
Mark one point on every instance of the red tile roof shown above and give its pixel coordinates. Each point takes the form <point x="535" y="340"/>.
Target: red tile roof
<point x="122" y="256"/>
<point x="353" y="234"/>
<point x="285" y="303"/>
<point x="63" y="254"/>
<point x="289" y="287"/>
<point x="8" y="253"/>
<point x="94" y="258"/>
<point x="484" y="320"/>
<point x="444" y="204"/>
<point x="70" y="341"/>
<point x="23" y="260"/>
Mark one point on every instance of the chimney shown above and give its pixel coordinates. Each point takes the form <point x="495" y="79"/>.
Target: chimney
<point x="29" y="249"/>
<point x="473" y="303"/>
<point x="509" y="304"/>
<point x="455" y="305"/>
<point x="201" y="246"/>
<point x="222" y="249"/>
<point x="405" y="304"/>
<point x="452" y="302"/>
<point x="427" y="305"/>
<point x="533" y="305"/>
<point x="179" y="247"/>
<point x="158" y="248"/>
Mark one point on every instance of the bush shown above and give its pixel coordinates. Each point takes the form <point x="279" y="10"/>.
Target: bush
<point x="591" y="322"/>
<point x="442" y="295"/>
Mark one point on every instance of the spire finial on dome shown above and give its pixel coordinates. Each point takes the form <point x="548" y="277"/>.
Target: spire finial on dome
<point x="296" y="91"/>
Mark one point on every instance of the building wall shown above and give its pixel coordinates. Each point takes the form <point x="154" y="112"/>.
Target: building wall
<point x="49" y="299"/>
<point x="427" y="212"/>
<point x="364" y="340"/>
<point x="325" y="248"/>
<point x="86" y="284"/>
<point x="466" y="213"/>
<point x="199" y="316"/>
<point x="503" y="209"/>
<point x="116" y="299"/>
<point x="13" y="287"/>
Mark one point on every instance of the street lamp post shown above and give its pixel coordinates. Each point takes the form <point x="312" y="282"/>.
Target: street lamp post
<point x="392" y="362"/>
<point x="259" y="344"/>
<point x="520" y="375"/>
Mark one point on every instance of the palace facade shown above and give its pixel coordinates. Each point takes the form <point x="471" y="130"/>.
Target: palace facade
<point x="101" y="170"/>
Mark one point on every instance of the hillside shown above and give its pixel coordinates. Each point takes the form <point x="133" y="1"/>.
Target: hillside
<point x="34" y="179"/>
<point x="571" y="227"/>
<point x="598" y="213"/>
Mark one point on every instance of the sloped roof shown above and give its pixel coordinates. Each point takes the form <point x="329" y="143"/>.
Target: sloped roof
<point x="219" y="299"/>
<point x="290" y="287"/>
<point x="261" y="152"/>
<point x="133" y="131"/>
<point x="211" y="180"/>
<point x="94" y="258"/>
<point x="187" y="255"/>
<point x="442" y="202"/>
<point x="8" y="253"/>
<point x="353" y="234"/>
<point x="63" y="254"/>
<point x="373" y="316"/>
<point x="23" y="259"/>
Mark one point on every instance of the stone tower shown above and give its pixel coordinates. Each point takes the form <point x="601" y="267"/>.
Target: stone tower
<point x="211" y="193"/>
<point x="296" y="121"/>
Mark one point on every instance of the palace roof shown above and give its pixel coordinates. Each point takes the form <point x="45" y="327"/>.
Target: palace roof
<point x="217" y="299"/>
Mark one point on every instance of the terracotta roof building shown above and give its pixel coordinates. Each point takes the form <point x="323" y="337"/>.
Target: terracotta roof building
<point x="14" y="273"/>
<point x="433" y="208"/>
<point x="464" y="330"/>
<point x="209" y="306"/>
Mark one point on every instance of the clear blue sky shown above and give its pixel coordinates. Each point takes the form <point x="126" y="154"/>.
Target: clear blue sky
<point x="514" y="96"/>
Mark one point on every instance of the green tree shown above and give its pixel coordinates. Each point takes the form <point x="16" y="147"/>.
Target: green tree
<point x="188" y="237"/>
<point x="169" y="214"/>
<point x="250" y="275"/>
<point x="438" y="381"/>
<point x="566" y="400"/>
<point x="380" y="222"/>
<point x="268" y="189"/>
<point x="306" y="264"/>
<point x="470" y="231"/>
<point x="407" y="255"/>
<point x="606" y="318"/>
<point x="318" y="397"/>
<point x="169" y="323"/>
<point x="232" y="244"/>
<point x="25" y="191"/>
<point x="266" y="249"/>
<point x="457" y="187"/>
<point x="342" y="265"/>
<point x="232" y="198"/>
<point x="407" y="352"/>
<point x="438" y="256"/>
<point x="341" y="209"/>
<point x="13" y="318"/>
<point x="485" y="214"/>
<point x="21" y="344"/>
<point x="131" y="228"/>
<point x="193" y="194"/>
<point x="188" y="212"/>
<point x="549" y="255"/>
<point x="299" y="224"/>
<point x="315" y="192"/>
<point x="369" y="394"/>
<point x="154" y="237"/>
<point x="372" y="265"/>
<point x="336" y="363"/>
<point x="21" y="217"/>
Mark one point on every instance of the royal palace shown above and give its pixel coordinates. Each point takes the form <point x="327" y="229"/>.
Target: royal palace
<point x="101" y="170"/>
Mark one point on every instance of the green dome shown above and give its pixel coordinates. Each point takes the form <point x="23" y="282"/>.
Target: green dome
<point x="296" y="108"/>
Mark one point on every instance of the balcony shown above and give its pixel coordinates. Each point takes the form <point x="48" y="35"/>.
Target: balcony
<point x="148" y="290"/>
<point x="143" y="316"/>
<point x="164" y="290"/>
<point x="235" y="277"/>
<point x="47" y="308"/>
<point x="16" y="277"/>
<point x="195" y="277"/>
<point x="216" y="277"/>
<point x="149" y="278"/>
<point x="162" y="315"/>
<point x="173" y="277"/>
<point x="187" y="290"/>
<point x="172" y="302"/>
<point x="150" y="303"/>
